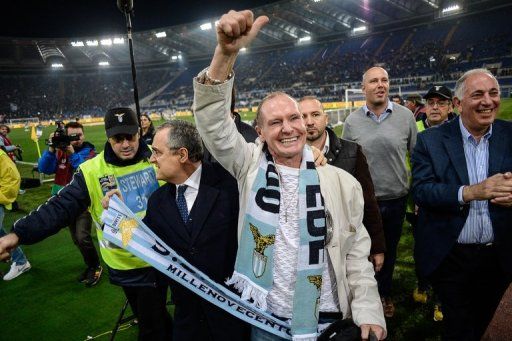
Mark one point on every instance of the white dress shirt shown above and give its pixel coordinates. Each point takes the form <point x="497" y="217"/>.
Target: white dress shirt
<point x="192" y="182"/>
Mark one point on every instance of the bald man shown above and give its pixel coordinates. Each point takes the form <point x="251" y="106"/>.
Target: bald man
<point x="387" y="132"/>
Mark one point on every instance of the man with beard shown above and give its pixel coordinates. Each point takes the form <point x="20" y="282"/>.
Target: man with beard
<point x="348" y="156"/>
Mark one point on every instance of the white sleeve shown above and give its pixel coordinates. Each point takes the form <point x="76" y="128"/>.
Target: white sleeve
<point x="218" y="130"/>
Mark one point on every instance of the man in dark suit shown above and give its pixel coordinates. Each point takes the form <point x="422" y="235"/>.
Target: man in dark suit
<point x="463" y="186"/>
<point x="348" y="156"/>
<point x="196" y="214"/>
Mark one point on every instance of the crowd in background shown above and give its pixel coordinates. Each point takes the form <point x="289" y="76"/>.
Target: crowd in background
<point x="55" y="96"/>
<point x="416" y="60"/>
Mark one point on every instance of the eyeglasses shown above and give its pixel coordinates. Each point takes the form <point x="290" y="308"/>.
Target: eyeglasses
<point x="440" y="104"/>
<point x="121" y="137"/>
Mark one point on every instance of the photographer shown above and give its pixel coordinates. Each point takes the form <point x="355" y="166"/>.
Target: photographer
<point x="67" y="150"/>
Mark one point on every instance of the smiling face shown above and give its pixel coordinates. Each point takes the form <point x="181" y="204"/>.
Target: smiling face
<point x="282" y="128"/>
<point x="480" y="103"/>
<point x="376" y="86"/>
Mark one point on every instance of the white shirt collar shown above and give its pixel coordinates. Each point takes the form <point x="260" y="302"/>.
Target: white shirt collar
<point x="194" y="179"/>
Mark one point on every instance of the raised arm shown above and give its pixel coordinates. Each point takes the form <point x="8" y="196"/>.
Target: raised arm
<point x="235" y="30"/>
<point x="212" y="93"/>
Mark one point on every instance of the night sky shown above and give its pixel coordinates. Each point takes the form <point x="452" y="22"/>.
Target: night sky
<point x="78" y="18"/>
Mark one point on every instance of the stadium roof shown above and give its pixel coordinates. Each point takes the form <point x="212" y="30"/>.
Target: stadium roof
<point x="291" y="22"/>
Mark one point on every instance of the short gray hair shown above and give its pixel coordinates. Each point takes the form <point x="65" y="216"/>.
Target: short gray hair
<point x="184" y="134"/>
<point x="460" y="85"/>
<point x="266" y="99"/>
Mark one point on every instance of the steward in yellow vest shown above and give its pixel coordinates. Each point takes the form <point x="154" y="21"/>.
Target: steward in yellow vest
<point x="124" y="165"/>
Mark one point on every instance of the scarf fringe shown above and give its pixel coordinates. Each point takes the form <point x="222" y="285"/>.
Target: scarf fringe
<point x="249" y="291"/>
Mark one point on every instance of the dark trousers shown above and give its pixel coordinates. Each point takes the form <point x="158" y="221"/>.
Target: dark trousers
<point x="149" y="306"/>
<point x="423" y="283"/>
<point x="80" y="231"/>
<point x="393" y="213"/>
<point x="470" y="284"/>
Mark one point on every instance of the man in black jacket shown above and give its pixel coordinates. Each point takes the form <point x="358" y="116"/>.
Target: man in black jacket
<point x="348" y="156"/>
<point x="196" y="214"/>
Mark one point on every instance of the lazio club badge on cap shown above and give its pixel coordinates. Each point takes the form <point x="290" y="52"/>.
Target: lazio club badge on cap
<point x="439" y="91"/>
<point x="121" y="121"/>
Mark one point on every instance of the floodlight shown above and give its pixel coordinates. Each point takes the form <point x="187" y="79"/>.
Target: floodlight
<point x="304" y="39"/>
<point x="432" y="59"/>
<point x="451" y="8"/>
<point x="92" y="43"/>
<point x="161" y="34"/>
<point x="206" y="26"/>
<point x="359" y="29"/>
<point x="77" y="43"/>
<point x="243" y="49"/>
<point x="103" y="63"/>
<point x="118" y="40"/>
<point x="174" y="57"/>
<point x="317" y="0"/>
<point x="57" y="65"/>
<point x="106" y="42"/>
<point x="433" y="4"/>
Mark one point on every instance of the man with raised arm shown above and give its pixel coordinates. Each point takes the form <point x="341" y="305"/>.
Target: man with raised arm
<point x="303" y="250"/>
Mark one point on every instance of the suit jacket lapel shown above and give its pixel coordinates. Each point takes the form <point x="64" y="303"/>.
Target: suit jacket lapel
<point x="498" y="143"/>
<point x="205" y="200"/>
<point x="455" y="149"/>
<point x="171" y="214"/>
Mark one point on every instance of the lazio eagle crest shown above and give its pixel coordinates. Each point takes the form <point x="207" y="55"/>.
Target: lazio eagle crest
<point x="259" y="260"/>
<point x="127" y="226"/>
<point x="316" y="280"/>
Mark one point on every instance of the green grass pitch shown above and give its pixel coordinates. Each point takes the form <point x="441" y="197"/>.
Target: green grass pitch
<point x="48" y="303"/>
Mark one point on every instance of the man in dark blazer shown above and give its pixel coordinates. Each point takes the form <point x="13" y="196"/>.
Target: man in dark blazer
<point x="463" y="186"/>
<point x="348" y="156"/>
<point x="199" y="223"/>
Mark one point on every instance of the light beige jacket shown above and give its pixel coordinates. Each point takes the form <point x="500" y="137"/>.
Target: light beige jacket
<point x="349" y="246"/>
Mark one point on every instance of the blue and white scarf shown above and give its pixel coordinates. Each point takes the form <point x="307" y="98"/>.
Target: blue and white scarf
<point x="253" y="275"/>
<point x="123" y="228"/>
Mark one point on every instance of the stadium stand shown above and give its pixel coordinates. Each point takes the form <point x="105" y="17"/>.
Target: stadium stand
<point x="411" y="55"/>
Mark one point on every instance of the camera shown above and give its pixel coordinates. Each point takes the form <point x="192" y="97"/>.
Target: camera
<point x="60" y="139"/>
